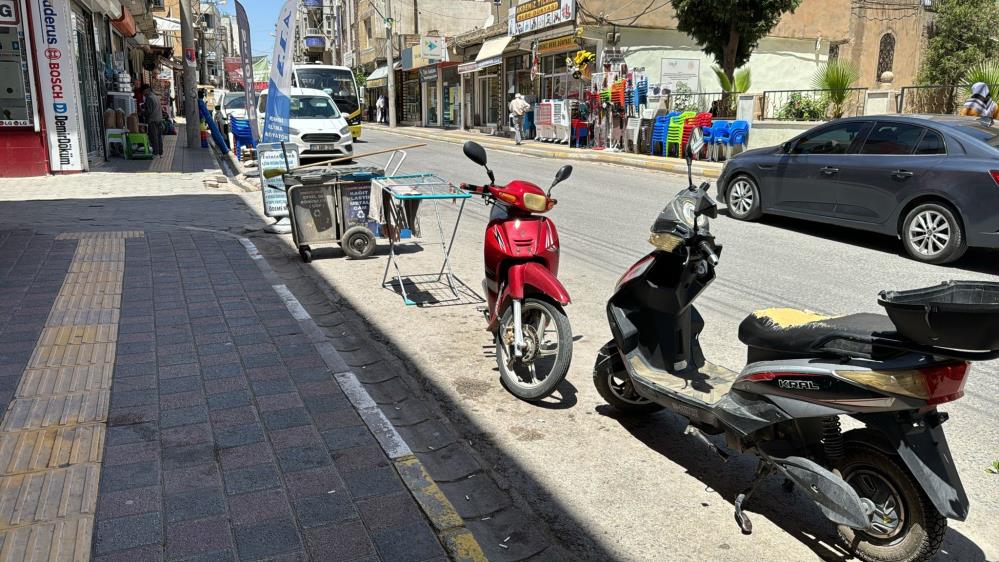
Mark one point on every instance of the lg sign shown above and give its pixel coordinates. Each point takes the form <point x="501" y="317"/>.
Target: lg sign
<point x="8" y="12"/>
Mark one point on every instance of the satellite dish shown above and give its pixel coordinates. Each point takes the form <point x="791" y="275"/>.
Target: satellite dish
<point x="489" y="21"/>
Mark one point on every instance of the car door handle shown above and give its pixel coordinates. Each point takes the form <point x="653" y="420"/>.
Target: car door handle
<point x="829" y="171"/>
<point x="766" y="167"/>
<point x="901" y="174"/>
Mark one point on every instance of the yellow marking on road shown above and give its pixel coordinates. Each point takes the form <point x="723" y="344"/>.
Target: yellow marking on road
<point x="52" y="434"/>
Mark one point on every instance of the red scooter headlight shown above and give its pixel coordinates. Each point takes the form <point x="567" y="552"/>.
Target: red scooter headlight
<point x="536" y="203"/>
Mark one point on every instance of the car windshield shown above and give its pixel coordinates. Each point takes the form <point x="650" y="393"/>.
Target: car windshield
<point x="313" y="107"/>
<point x="985" y="133"/>
<point x="235" y="101"/>
<point x="337" y="83"/>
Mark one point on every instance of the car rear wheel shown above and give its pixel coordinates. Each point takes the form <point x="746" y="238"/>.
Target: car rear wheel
<point x="743" y="199"/>
<point x="931" y="233"/>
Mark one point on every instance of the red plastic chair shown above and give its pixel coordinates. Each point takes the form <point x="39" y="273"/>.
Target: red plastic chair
<point x="700" y="120"/>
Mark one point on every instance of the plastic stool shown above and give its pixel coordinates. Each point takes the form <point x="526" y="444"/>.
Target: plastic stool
<point x="112" y="137"/>
<point x="134" y="141"/>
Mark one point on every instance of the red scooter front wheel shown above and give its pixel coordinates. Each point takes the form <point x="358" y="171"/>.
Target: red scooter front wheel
<point x="544" y="360"/>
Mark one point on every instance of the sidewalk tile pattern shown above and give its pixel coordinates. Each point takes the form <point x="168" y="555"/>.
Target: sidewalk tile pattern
<point x="219" y="447"/>
<point x="52" y="434"/>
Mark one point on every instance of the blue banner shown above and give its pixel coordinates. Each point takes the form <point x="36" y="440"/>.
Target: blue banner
<point x="279" y="85"/>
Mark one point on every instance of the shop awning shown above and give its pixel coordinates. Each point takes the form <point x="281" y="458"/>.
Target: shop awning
<point x="167" y="24"/>
<point x="493" y="48"/>
<point x="125" y="24"/>
<point x="379" y="77"/>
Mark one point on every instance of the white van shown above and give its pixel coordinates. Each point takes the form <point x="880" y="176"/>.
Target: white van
<point x="315" y="124"/>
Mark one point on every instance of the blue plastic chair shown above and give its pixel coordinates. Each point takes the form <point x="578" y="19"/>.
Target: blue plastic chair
<point x="738" y="136"/>
<point x="660" y="130"/>
<point x="242" y="134"/>
<point x="720" y="131"/>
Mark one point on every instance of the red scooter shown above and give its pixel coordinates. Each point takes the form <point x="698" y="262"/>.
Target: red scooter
<point x="524" y="296"/>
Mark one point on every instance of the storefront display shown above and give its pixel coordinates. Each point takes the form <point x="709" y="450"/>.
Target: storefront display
<point x="518" y="76"/>
<point x="86" y="40"/>
<point x="17" y="107"/>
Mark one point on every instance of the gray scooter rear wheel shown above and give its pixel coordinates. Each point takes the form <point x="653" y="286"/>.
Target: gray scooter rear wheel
<point x="614" y="385"/>
<point x="906" y="526"/>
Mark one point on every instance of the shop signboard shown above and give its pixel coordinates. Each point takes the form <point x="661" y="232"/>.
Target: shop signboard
<point x="535" y="15"/>
<point x="8" y="12"/>
<point x="59" y="85"/>
<point x="479" y="65"/>
<point x="279" y="86"/>
<point x="428" y="74"/>
<point x="273" y="163"/>
<point x="680" y="71"/>
<point x="467" y="68"/>
<point x="558" y="45"/>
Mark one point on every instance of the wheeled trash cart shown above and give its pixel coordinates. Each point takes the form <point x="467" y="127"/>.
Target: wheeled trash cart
<point x="331" y="206"/>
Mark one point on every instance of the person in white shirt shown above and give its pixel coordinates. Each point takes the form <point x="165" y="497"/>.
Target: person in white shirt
<point x="518" y="108"/>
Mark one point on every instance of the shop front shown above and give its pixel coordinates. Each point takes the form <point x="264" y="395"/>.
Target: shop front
<point x="412" y="99"/>
<point x="22" y="145"/>
<point x="441" y="91"/>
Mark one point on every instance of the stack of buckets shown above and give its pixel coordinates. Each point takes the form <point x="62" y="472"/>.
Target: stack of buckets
<point x="204" y="134"/>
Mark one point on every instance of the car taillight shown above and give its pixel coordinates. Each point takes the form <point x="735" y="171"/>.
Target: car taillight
<point x="995" y="176"/>
<point x="935" y="385"/>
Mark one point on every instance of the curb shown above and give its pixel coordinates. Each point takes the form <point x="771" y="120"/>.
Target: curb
<point x="460" y="544"/>
<point x="677" y="167"/>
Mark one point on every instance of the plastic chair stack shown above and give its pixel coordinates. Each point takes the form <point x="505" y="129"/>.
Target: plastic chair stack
<point x="618" y="92"/>
<point x="718" y="136"/>
<point x="640" y="93"/>
<point x="700" y="120"/>
<point x="738" y="137"/>
<point x="242" y="134"/>
<point x="580" y="131"/>
<point x="675" y="134"/>
<point x="660" y="132"/>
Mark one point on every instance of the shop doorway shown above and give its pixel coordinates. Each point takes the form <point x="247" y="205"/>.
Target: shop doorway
<point x="90" y="95"/>
<point x="487" y="108"/>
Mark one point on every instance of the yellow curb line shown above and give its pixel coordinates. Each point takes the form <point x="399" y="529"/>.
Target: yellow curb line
<point x="450" y="527"/>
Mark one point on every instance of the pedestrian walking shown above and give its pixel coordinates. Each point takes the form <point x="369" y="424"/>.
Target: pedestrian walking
<point x="152" y="113"/>
<point x="518" y="108"/>
<point x="380" y="106"/>
<point x="980" y="104"/>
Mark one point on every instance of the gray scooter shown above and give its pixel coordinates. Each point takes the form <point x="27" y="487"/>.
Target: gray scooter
<point x="889" y="486"/>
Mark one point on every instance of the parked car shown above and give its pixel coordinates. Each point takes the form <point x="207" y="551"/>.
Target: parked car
<point x="315" y="124"/>
<point x="234" y="105"/>
<point x="933" y="181"/>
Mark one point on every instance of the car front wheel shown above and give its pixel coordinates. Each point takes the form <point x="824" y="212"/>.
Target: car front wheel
<point x="743" y="199"/>
<point x="931" y="233"/>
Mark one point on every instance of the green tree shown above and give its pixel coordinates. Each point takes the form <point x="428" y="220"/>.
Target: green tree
<point x="729" y="30"/>
<point x="964" y="37"/>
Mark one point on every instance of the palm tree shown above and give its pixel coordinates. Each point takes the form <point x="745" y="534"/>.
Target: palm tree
<point x="836" y="78"/>
<point x="732" y="88"/>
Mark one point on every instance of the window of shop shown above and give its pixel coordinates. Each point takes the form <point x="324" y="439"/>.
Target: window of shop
<point x="432" y="104"/>
<point x="16" y="108"/>
<point x="518" y="76"/>
<point x="554" y="85"/>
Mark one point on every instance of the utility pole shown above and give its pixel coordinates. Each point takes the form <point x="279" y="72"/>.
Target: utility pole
<point x="190" y="80"/>
<point x="390" y="63"/>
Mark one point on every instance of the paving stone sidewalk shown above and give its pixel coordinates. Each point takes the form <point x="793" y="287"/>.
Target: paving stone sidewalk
<point x="215" y="428"/>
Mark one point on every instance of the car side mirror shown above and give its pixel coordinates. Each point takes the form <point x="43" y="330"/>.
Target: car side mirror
<point x="786" y="147"/>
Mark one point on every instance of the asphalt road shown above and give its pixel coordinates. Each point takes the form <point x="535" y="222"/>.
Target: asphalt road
<point x="617" y="488"/>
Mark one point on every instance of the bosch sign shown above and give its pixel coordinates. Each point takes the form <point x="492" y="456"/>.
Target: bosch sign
<point x="61" y="100"/>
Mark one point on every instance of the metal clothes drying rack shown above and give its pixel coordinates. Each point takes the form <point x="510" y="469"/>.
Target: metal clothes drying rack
<point x="421" y="187"/>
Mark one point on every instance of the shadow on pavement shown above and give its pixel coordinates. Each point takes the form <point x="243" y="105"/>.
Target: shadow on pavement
<point x="791" y="511"/>
<point x="228" y="212"/>
<point x="978" y="260"/>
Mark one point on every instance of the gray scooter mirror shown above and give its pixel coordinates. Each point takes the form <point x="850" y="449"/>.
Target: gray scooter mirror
<point x="696" y="142"/>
